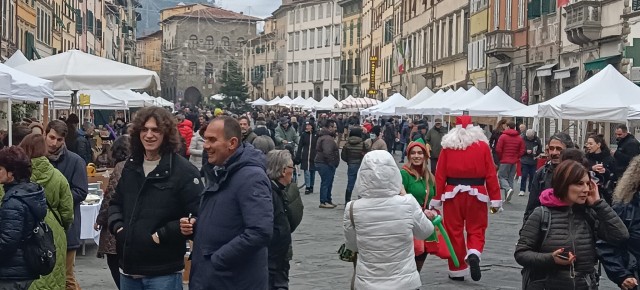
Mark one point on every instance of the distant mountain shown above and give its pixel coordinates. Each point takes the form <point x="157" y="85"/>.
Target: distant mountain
<point x="150" y="12"/>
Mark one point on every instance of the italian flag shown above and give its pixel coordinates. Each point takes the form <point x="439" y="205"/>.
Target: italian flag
<point x="400" y="56"/>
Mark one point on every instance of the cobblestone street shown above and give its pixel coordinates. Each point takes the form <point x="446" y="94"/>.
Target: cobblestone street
<point x="315" y="264"/>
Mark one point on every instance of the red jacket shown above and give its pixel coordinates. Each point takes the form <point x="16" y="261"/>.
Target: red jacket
<point x="186" y="131"/>
<point x="510" y="147"/>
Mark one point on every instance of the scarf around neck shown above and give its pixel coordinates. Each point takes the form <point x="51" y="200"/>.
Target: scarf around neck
<point x="56" y="155"/>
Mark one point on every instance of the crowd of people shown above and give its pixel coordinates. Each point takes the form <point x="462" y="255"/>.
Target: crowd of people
<point x="228" y="183"/>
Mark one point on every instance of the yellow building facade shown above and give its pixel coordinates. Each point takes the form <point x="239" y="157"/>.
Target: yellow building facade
<point x="26" y="27"/>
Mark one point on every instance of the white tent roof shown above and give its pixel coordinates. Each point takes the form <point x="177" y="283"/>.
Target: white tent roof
<point x="344" y="102"/>
<point x="327" y="103"/>
<point x="359" y="103"/>
<point x="273" y="102"/>
<point x="387" y="107"/>
<point x="457" y="105"/>
<point x="100" y="100"/>
<point x="526" y="112"/>
<point x="76" y="70"/>
<point x="428" y="106"/>
<point x="310" y="104"/>
<point x="25" y="87"/>
<point x="285" y="101"/>
<point x="606" y="96"/>
<point x="493" y="103"/>
<point x="417" y="99"/>
<point x="16" y="59"/>
<point x="298" y="102"/>
<point x="159" y="101"/>
<point x="133" y="99"/>
<point x="259" y="102"/>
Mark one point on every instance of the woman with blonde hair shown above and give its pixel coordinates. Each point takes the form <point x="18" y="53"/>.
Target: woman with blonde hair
<point x="626" y="204"/>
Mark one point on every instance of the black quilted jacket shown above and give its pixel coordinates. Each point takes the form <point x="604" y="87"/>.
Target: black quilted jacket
<point x="571" y="228"/>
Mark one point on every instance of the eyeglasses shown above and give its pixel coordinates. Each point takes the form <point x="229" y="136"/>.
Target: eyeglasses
<point x="290" y="167"/>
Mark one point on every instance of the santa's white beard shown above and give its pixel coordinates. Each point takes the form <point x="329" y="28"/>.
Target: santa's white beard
<point x="460" y="138"/>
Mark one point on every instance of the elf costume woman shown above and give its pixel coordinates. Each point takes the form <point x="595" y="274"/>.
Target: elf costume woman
<point x="415" y="177"/>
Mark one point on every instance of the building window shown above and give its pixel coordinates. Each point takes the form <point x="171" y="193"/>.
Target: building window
<point x="208" y="70"/>
<point x="336" y="69"/>
<point x="312" y="12"/>
<point x="635" y="5"/>
<point x="193" y="41"/>
<point x="291" y="16"/>
<point x="321" y="11"/>
<point x="312" y="38"/>
<point x="311" y="70"/>
<point x="296" y="41"/>
<point x="209" y="42"/>
<point x="327" y="69"/>
<point x="241" y="42"/>
<point x="336" y="32"/>
<point x="289" y="73"/>
<point x="326" y="92"/>
<point x="193" y="68"/>
<point x="304" y="14"/>
<point x="522" y="9"/>
<point x="318" y="70"/>
<point x="225" y="42"/>
<point x="350" y="33"/>
<point x="388" y="31"/>
<point x="303" y="71"/>
<point x="296" y="72"/>
<point x="320" y="36"/>
<point x="290" y="41"/>
<point x="304" y="39"/>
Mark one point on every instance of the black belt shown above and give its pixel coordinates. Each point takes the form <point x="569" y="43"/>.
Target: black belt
<point x="465" y="181"/>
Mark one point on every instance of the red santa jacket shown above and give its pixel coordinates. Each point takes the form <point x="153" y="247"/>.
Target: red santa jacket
<point x="510" y="147"/>
<point x="475" y="161"/>
<point x="186" y="131"/>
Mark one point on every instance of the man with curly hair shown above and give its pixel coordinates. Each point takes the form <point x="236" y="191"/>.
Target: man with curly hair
<point x="157" y="187"/>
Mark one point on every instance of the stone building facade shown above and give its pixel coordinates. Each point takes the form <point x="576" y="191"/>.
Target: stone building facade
<point x="196" y="46"/>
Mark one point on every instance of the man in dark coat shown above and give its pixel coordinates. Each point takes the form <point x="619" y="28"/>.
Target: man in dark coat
<point x="306" y="154"/>
<point x="326" y="161"/>
<point x="156" y="189"/>
<point x="73" y="168"/>
<point x="628" y="147"/>
<point x="83" y="143"/>
<point x="235" y="223"/>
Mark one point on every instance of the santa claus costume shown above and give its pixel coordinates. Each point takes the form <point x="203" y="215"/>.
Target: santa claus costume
<point x="466" y="182"/>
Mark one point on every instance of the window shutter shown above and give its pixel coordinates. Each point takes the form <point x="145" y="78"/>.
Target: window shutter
<point x="470" y="59"/>
<point x="533" y="9"/>
<point x="79" y="22"/>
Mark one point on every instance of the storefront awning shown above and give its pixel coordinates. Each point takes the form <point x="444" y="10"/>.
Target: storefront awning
<point x="600" y="63"/>
<point x="545" y="70"/>
<point x="563" y="73"/>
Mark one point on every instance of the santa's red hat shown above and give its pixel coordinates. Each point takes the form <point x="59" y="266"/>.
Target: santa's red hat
<point x="463" y="121"/>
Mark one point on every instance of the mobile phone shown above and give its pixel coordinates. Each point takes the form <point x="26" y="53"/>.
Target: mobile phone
<point x="564" y="256"/>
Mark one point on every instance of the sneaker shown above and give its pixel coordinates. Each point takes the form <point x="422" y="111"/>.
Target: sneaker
<point x="331" y="205"/>
<point x="521" y="193"/>
<point x="509" y="194"/>
<point x="460" y="279"/>
<point x="307" y="191"/>
<point x="474" y="267"/>
<point x="325" y="205"/>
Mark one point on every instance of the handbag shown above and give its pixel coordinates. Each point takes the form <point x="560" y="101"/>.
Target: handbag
<point x="344" y="253"/>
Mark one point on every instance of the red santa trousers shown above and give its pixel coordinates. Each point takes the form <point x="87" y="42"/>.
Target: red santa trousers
<point x="465" y="213"/>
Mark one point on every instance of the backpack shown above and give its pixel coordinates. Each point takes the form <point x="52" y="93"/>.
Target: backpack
<point x="294" y="205"/>
<point x="39" y="247"/>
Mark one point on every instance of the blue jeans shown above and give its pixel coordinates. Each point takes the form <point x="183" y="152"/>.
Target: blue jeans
<point x="167" y="282"/>
<point x="528" y="171"/>
<point x="352" y="173"/>
<point x="403" y="154"/>
<point x="327" y="173"/>
<point x="309" y="178"/>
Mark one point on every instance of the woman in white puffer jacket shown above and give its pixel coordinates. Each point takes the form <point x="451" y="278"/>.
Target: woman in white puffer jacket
<point x="386" y="222"/>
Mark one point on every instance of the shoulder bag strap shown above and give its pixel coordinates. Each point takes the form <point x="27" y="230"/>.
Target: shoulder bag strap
<point x="351" y="214"/>
<point x="54" y="214"/>
<point x="426" y="197"/>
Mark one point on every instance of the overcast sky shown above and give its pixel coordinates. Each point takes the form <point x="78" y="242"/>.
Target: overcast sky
<point x="259" y="8"/>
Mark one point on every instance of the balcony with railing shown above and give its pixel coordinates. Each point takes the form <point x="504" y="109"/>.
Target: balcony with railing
<point x="348" y="79"/>
<point x="583" y="22"/>
<point x="500" y="44"/>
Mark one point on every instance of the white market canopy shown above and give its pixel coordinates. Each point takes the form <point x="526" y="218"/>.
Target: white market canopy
<point x="100" y="100"/>
<point x="310" y="104"/>
<point x="298" y="102"/>
<point x="387" y="107"/>
<point x="327" y="103"/>
<point x="16" y="59"/>
<point x="24" y="87"/>
<point x="417" y="99"/>
<point x="456" y="105"/>
<point x="342" y="103"/>
<point x="493" y="103"/>
<point x="160" y="102"/>
<point x="428" y="107"/>
<point x="285" y="101"/>
<point x="606" y="96"/>
<point x="76" y="70"/>
<point x="273" y="102"/>
<point x="259" y="102"/>
<point x="360" y="103"/>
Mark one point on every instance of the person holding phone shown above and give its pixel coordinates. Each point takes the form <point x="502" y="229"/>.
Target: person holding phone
<point x="602" y="165"/>
<point x="615" y="257"/>
<point x="560" y="253"/>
